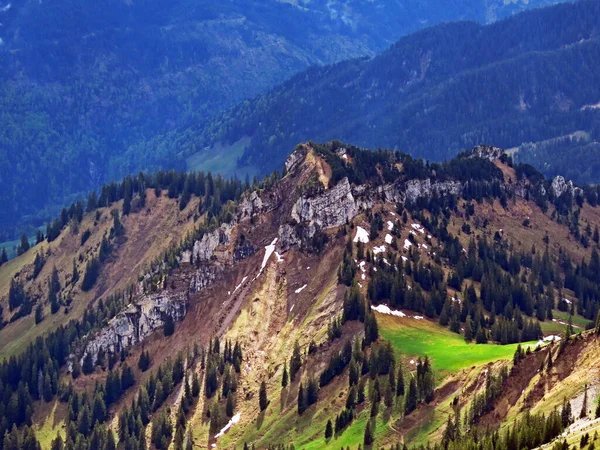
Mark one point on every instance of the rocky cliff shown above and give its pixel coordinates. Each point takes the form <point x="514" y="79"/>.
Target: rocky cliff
<point x="145" y="315"/>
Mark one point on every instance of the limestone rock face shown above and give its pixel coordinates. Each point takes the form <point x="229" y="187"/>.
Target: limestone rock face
<point x="132" y="325"/>
<point x="333" y="208"/>
<point x="251" y="205"/>
<point x="559" y="186"/>
<point x="287" y="236"/>
<point x="416" y="189"/>
<point x="205" y="248"/>
<point x="202" y="278"/>
<point x="295" y="159"/>
<point x="487" y="152"/>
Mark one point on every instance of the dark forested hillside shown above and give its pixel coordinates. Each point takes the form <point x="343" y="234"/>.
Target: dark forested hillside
<point x="84" y="85"/>
<point x="530" y="78"/>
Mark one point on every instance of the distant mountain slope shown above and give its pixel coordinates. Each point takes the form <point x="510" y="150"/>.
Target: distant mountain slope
<point x="83" y="81"/>
<point x="529" y="78"/>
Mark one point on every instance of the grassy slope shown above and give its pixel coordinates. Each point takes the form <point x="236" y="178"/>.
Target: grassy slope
<point x="448" y="351"/>
<point x="148" y="233"/>
<point x="410" y="338"/>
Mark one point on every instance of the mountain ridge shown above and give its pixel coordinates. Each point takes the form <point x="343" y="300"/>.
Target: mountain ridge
<point x="286" y="261"/>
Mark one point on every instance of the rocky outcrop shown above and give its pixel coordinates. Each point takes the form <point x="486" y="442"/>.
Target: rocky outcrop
<point x="135" y="323"/>
<point x="202" y="278"/>
<point x="295" y="158"/>
<point x="486" y="152"/>
<point x="559" y="186"/>
<point x="253" y="204"/>
<point x="287" y="236"/>
<point x="333" y="208"/>
<point x="205" y="248"/>
<point x="416" y="189"/>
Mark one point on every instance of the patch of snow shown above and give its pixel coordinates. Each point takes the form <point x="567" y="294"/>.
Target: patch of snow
<point x="388" y="239"/>
<point x="345" y="156"/>
<point x="413" y="233"/>
<point x="428" y="236"/>
<point x="235" y="419"/>
<point x="407" y="244"/>
<point x="308" y="268"/>
<point x="359" y="285"/>
<point x="385" y="261"/>
<point x="390" y="225"/>
<point x="228" y="292"/>
<point x="424" y="246"/>
<point x="240" y="285"/>
<point x="279" y="258"/>
<point x="361" y="235"/>
<point x="297" y="291"/>
<point x="269" y="249"/>
<point x="418" y="317"/>
<point x="292" y="308"/>
<point x="418" y="227"/>
<point x="596" y="106"/>
<point x="552" y="338"/>
<point x="384" y="309"/>
<point x="404" y="258"/>
<point x="362" y="266"/>
<point x="380" y="249"/>
<point x="567" y="301"/>
<point x="375" y="269"/>
<point x="363" y="276"/>
<point x="412" y="361"/>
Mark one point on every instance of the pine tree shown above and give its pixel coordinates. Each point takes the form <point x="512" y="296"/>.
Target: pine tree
<point x="229" y="405"/>
<point x="301" y="399"/>
<point x="410" y="403"/>
<point x="368" y="437"/>
<point x="295" y="361"/>
<point x="88" y="364"/>
<point x="284" y="378"/>
<point x="400" y="382"/>
<point x="468" y="329"/>
<point x="328" y="430"/>
<point x="584" y="405"/>
<point x="39" y="313"/>
<point x="263" y="402"/>
<point x="144" y="360"/>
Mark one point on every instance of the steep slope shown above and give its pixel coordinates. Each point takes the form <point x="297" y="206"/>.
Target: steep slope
<point x="530" y="78"/>
<point x="345" y="273"/>
<point x="83" y="82"/>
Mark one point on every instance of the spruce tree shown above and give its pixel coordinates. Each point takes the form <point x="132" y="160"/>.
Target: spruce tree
<point x="410" y="403"/>
<point x="301" y="399"/>
<point x="263" y="402"/>
<point x="229" y="405"/>
<point x="583" y="412"/>
<point x="295" y="361"/>
<point x="39" y="313"/>
<point x="368" y="437"/>
<point x="328" y="430"/>
<point x="400" y="382"/>
<point x="284" y="378"/>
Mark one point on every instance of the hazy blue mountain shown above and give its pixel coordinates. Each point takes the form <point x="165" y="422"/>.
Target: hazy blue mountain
<point x="83" y="81"/>
<point x="532" y="78"/>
